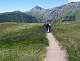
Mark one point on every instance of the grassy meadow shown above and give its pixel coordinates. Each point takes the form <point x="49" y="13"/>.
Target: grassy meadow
<point x="22" y="42"/>
<point x="69" y="37"/>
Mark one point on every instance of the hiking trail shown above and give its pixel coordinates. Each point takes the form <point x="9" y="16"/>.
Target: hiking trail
<point x="55" y="52"/>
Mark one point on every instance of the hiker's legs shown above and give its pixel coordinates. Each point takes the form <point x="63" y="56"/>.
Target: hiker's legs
<point x="49" y="28"/>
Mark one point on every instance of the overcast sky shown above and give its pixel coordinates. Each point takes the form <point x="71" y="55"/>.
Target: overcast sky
<point x="25" y="5"/>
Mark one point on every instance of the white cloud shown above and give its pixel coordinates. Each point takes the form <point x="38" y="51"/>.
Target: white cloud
<point x="74" y="0"/>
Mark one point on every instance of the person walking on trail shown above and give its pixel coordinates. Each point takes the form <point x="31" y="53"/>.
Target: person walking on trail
<point x="48" y="27"/>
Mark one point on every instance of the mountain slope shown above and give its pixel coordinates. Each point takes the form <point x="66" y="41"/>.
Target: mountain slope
<point x="67" y="12"/>
<point x="64" y="12"/>
<point x="37" y="12"/>
<point x="16" y="16"/>
<point x="59" y="13"/>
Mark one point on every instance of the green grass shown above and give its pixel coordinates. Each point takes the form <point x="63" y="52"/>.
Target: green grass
<point x="69" y="37"/>
<point x="22" y="42"/>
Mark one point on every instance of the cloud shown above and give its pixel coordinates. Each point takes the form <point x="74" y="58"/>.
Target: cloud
<point x="74" y="0"/>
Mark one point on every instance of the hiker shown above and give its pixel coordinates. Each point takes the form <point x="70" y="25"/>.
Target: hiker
<point x="48" y="27"/>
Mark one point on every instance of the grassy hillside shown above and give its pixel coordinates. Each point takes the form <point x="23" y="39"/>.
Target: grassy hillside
<point x="17" y="16"/>
<point x="22" y="42"/>
<point x="69" y="37"/>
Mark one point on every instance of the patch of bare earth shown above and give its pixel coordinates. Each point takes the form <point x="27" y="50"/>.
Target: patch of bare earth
<point x="55" y="53"/>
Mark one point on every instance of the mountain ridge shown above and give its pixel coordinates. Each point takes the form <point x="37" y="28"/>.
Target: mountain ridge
<point x="39" y="14"/>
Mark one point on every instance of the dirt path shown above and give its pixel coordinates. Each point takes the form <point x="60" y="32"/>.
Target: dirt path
<point x="55" y="53"/>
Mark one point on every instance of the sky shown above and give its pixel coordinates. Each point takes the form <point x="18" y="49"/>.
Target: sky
<point x="26" y="5"/>
<point x="74" y="0"/>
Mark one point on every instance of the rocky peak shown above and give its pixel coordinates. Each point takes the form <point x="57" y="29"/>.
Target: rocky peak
<point x="37" y="8"/>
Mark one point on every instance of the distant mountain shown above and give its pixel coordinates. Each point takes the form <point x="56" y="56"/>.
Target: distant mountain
<point x="37" y="12"/>
<point x="16" y="16"/>
<point x="67" y="12"/>
<point x="37" y="9"/>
